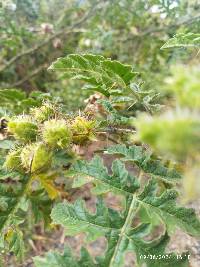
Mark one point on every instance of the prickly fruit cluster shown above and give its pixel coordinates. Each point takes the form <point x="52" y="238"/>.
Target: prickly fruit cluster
<point x="56" y="133"/>
<point x="13" y="161"/>
<point x="23" y="128"/>
<point x="83" y="130"/>
<point x="42" y="134"/>
<point x="43" y="113"/>
<point x="36" y="157"/>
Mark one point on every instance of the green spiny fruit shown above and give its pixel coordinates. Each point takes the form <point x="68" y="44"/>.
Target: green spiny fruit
<point x="83" y="130"/>
<point x="56" y="133"/>
<point x="43" y="113"/>
<point x="172" y="134"/>
<point x="13" y="161"/>
<point x="23" y="128"/>
<point x="36" y="157"/>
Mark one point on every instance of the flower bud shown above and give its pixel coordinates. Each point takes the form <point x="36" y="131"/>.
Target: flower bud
<point x="83" y="130"/>
<point x="23" y="128"/>
<point x="57" y="134"/>
<point x="36" y="157"/>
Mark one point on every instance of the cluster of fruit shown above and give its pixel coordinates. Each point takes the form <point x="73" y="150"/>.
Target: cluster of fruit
<point x="42" y="132"/>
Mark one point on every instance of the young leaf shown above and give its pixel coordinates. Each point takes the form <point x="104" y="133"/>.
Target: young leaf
<point x="183" y="40"/>
<point x="114" y="117"/>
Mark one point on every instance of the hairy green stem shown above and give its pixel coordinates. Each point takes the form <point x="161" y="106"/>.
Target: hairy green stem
<point x="127" y="224"/>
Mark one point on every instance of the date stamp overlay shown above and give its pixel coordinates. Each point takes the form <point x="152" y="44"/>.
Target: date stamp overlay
<point x="165" y="256"/>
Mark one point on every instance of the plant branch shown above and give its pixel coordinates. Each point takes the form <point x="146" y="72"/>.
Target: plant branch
<point x="48" y="40"/>
<point x="115" y="130"/>
<point x="29" y="76"/>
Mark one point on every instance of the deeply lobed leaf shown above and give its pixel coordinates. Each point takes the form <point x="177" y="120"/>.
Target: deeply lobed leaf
<point x="183" y="40"/>
<point x="144" y="161"/>
<point x="100" y="74"/>
<point x="54" y="259"/>
<point x="121" y="237"/>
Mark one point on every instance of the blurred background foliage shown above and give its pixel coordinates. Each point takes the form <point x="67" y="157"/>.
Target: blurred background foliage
<point x="35" y="33"/>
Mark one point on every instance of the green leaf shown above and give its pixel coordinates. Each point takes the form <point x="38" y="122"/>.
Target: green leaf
<point x="165" y="206"/>
<point x="100" y="74"/>
<point x="114" y="117"/>
<point x="117" y="228"/>
<point x="183" y="40"/>
<point x="120" y="181"/>
<point x="11" y="199"/>
<point x="15" y="101"/>
<point x="12" y="95"/>
<point x="153" y="252"/>
<point x="105" y="222"/>
<point x="77" y="219"/>
<point x="144" y="160"/>
<point x="41" y="206"/>
<point x="55" y="259"/>
<point x="16" y="243"/>
<point x="80" y="180"/>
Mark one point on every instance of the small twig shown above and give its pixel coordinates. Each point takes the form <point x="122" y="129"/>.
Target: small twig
<point x="112" y="140"/>
<point x="114" y="129"/>
<point x="62" y="238"/>
<point x="185" y="22"/>
<point x="40" y="237"/>
<point x="165" y="28"/>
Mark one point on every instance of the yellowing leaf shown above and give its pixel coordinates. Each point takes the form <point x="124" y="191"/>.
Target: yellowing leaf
<point x="46" y="181"/>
